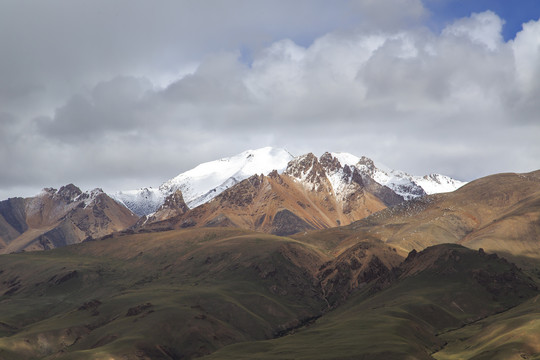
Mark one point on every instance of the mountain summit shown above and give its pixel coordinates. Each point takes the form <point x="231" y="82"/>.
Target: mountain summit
<point x="206" y="181"/>
<point x="311" y="193"/>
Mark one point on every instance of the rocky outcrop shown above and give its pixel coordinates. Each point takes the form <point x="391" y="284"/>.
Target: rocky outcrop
<point x="329" y="163"/>
<point x="308" y="170"/>
<point x="499" y="277"/>
<point x="244" y="193"/>
<point x="355" y="268"/>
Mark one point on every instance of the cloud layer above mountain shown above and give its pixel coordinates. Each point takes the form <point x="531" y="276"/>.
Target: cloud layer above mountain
<point x="130" y="93"/>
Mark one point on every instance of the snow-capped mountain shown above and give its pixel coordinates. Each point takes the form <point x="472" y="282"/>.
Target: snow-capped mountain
<point x="404" y="184"/>
<point x="312" y="193"/>
<point x="204" y="182"/>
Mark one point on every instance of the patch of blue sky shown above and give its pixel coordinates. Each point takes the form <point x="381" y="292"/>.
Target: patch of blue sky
<point x="513" y="12"/>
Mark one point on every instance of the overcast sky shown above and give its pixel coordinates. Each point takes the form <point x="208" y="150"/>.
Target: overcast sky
<point x="128" y="93"/>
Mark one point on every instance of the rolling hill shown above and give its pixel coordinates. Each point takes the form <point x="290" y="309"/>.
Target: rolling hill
<point x="405" y="314"/>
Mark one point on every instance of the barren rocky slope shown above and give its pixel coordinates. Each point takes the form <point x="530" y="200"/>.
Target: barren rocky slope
<point x="310" y="194"/>
<point x="58" y="218"/>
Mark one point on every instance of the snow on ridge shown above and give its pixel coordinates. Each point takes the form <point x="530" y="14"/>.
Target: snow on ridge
<point x="437" y="183"/>
<point x="341" y="184"/>
<point x="141" y="202"/>
<point x="402" y="183"/>
<point x="207" y="180"/>
<point x="346" y="158"/>
<point x="89" y="197"/>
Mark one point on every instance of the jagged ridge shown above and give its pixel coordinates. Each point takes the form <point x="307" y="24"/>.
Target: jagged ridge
<point x="206" y="181"/>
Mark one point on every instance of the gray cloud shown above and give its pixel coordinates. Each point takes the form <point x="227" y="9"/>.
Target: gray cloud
<point x="132" y="95"/>
<point x="116" y="105"/>
<point x="50" y="49"/>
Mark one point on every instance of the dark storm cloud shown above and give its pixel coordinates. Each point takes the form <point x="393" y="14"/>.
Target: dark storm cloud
<point x="122" y="94"/>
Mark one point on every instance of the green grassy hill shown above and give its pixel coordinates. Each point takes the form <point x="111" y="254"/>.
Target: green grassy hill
<point x="514" y="334"/>
<point x="403" y="316"/>
<point x="177" y="294"/>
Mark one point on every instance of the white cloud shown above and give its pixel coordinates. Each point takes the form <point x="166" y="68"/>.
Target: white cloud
<point x="526" y="47"/>
<point x="482" y="28"/>
<point x="454" y="102"/>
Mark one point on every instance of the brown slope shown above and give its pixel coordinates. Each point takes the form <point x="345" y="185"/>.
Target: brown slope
<point x="355" y="268"/>
<point x="57" y="218"/>
<point x="497" y="213"/>
<point x="310" y="194"/>
<point x="12" y="220"/>
<point x="277" y="204"/>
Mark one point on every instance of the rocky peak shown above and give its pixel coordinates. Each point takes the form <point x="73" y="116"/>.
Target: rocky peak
<point x="89" y="195"/>
<point x="301" y="165"/>
<point x="69" y="193"/>
<point x="329" y="163"/>
<point x="356" y="177"/>
<point x="49" y="191"/>
<point x="368" y="164"/>
<point x="173" y="206"/>
<point x="307" y="169"/>
<point x="273" y="174"/>
<point x="175" y="201"/>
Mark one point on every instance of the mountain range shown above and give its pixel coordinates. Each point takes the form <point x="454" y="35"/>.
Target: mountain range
<point x="266" y="190"/>
<point x="326" y="257"/>
<point x="206" y="181"/>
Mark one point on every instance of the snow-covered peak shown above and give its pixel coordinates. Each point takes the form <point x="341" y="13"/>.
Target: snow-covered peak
<point x="302" y="166"/>
<point x="437" y="183"/>
<point x="89" y="197"/>
<point x="207" y="180"/>
<point x="404" y="184"/>
<point x="346" y="158"/>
